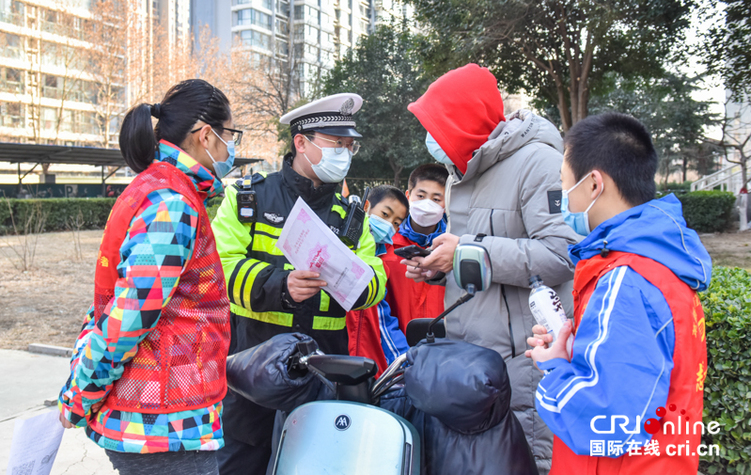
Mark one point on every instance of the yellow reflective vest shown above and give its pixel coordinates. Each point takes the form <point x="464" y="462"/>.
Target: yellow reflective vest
<point x="256" y="270"/>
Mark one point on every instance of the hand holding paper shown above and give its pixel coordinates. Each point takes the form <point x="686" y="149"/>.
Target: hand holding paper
<point x="309" y="245"/>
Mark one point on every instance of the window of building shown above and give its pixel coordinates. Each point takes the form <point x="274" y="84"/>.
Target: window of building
<point x="282" y="48"/>
<point x="281" y="27"/>
<point x="11" y="114"/>
<point x="11" y="46"/>
<point x="242" y="17"/>
<point x="254" y="38"/>
<point x="13" y="79"/>
<point x="267" y="4"/>
<point x="250" y="16"/>
<point x="263" y="19"/>
<point x="299" y="12"/>
<point x="66" y="121"/>
<point x="49" y="87"/>
<point x="18" y="8"/>
<point x="241" y="2"/>
<point x="49" y="118"/>
<point x="87" y="124"/>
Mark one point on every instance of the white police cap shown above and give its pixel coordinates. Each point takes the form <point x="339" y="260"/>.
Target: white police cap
<point x="331" y="115"/>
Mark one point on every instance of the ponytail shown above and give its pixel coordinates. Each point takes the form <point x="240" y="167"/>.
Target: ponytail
<point x="137" y="140"/>
<point x="182" y="106"/>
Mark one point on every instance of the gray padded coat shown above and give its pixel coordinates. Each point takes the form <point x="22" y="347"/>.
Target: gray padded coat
<point x="511" y="192"/>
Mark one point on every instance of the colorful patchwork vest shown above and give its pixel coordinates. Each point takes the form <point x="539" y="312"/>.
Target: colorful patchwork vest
<point x="685" y="396"/>
<point x="180" y="365"/>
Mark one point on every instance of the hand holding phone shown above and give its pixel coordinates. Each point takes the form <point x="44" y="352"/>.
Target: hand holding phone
<point x="408" y="252"/>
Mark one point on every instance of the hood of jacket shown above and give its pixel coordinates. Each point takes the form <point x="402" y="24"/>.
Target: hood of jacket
<point x="460" y="110"/>
<point x="521" y="128"/>
<point x="659" y="234"/>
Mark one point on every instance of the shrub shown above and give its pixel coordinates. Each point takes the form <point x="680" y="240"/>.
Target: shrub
<point x="59" y="212"/>
<point x="212" y="206"/>
<point x="707" y="211"/>
<point x="674" y="187"/>
<point x="727" y="389"/>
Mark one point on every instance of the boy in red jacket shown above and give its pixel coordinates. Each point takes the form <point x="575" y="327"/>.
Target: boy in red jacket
<point x="409" y="299"/>
<point x="374" y="332"/>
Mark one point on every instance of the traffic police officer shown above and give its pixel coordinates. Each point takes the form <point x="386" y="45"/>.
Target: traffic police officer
<point x="267" y="296"/>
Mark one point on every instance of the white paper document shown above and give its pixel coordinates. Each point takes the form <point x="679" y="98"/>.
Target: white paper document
<point x="35" y="443"/>
<point x="308" y="244"/>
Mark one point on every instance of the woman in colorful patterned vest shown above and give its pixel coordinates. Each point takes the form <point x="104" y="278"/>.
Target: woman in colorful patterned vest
<point x="148" y="374"/>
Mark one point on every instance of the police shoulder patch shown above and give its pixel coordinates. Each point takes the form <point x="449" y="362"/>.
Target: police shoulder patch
<point x="273" y="218"/>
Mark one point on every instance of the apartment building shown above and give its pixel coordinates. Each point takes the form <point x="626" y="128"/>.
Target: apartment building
<point x="306" y="36"/>
<point x="69" y="69"/>
<point x="46" y="94"/>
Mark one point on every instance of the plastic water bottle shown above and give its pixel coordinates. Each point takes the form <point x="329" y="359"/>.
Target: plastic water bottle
<point x="547" y="308"/>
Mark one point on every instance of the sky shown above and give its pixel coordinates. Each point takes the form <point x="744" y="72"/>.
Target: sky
<point x="712" y="90"/>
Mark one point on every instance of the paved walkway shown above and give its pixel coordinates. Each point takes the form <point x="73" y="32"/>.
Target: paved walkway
<point x="28" y="381"/>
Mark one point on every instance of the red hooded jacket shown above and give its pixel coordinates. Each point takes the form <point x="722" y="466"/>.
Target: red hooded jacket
<point x="460" y="110"/>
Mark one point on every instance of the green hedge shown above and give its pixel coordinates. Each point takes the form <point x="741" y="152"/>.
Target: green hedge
<point x="727" y="389"/>
<point x="213" y="205"/>
<point x="707" y="211"/>
<point x="57" y="213"/>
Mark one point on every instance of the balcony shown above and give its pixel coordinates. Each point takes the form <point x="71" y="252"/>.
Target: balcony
<point x="16" y="19"/>
<point x="12" y="87"/>
<point x="15" y="122"/>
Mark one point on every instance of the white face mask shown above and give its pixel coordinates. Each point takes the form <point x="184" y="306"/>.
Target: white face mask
<point x="333" y="166"/>
<point x="426" y="212"/>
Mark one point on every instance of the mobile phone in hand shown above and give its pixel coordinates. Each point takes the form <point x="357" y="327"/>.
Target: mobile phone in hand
<point x="408" y="252"/>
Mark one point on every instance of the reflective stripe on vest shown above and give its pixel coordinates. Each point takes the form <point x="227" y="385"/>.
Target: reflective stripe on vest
<point x="283" y="319"/>
<point x="247" y="272"/>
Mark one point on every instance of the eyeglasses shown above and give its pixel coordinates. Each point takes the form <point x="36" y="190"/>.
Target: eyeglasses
<point x="353" y="147"/>
<point x="237" y="135"/>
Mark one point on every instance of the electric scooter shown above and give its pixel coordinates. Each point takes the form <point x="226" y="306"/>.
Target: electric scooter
<point x="348" y="433"/>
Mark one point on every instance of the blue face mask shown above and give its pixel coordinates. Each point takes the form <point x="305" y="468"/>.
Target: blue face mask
<point x="381" y="229"/>
<point x="222" y="168"/>
<point x="579" y="222"/>
<point x="436" y="151"/>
